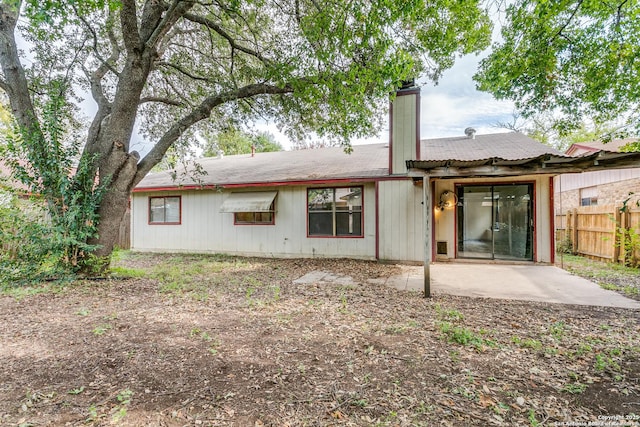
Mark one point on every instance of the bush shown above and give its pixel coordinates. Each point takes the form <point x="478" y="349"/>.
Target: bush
<point x="30" y="251"/>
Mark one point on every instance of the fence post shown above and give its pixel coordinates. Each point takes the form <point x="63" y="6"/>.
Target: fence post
<point x="574" y="231"/>
<point x="618" y="238"/>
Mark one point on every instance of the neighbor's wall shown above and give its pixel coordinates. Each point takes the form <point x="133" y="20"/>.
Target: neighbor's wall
<point x="612" y="187"/>
<point x="205" y="229"/>
<point x="400" y="221"/>
<point x="445" y="226"/>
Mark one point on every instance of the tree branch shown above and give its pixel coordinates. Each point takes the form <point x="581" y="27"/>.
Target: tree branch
<point x="129" y="24"/>
<point x="201" y="112"/>
<point x="566" y="24"/>
<point x="215" y="27"/>
<point x="15" y="83"/>
<point x="161" y="100"/>
<point x="175" y="12"/>
<point x="183" y="71"/>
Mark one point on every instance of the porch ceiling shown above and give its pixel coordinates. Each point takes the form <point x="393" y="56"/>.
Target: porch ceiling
<point x="543" y="164"/>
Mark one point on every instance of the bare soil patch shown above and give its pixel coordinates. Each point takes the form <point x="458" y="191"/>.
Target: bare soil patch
<point x="223" y="341"/>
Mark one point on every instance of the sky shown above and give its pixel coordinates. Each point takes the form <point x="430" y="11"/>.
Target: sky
<point x="446" y="109"/>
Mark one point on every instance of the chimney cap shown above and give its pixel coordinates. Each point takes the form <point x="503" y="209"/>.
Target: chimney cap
<point x="470" y="132"/>
<point x="408" y="84"/>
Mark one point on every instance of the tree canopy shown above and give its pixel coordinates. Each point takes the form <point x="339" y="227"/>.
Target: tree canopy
<point x="235" y="141"/>
<point x="177" y="67"/>
<point x="575" y="58"/>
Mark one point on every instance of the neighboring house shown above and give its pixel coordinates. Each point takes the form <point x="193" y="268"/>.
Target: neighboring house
<point x="483" y="197"/>
<point x="602" y="187"/>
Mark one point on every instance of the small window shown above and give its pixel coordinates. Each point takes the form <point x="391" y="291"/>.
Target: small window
<point x="335" y="212"/>
<point x="165" y="210"/>
<point x="255" y="218"/>
<point x="589" y="196"/>
<point x="251" y="208"/>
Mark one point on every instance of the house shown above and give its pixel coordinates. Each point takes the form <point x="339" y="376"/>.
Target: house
<point x="487" y="197"/>
<point x="602" y="187"/>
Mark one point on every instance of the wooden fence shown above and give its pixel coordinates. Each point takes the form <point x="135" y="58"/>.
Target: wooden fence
<point x="124" y="233"/>
<point x="594" y="231"/>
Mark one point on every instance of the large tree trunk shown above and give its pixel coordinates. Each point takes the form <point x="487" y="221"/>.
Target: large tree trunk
<point x="118" y="171"/>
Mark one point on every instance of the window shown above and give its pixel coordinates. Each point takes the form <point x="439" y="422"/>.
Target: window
<point x="254" y="217"/>
<point x="335" y="212"/>
<point x="164" y="210"/>
<point x="589" y="196"/>
<point x="251" y="208"/>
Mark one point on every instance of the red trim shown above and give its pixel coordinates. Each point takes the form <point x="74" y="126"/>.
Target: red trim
<point x="377" y="202"/>
<point x="390" y="137"/>
<point x="273" y="221"/>
<point x="433" y="220"/>
<point x="455" y="223"/>
<point x="164" y="223"/>
<point x="552" y="221"/>
<point x="418" y="124"/>
<point x="327" y="182"/>
<point x="362" y="222"/>
<point x="535" y="224"/>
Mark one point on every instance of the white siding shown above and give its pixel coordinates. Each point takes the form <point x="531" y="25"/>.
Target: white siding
<point x="572" y="181"/>
<point x="400" y="221"/>
<point x="205" y="229"/>
<point x="403" y="128"/>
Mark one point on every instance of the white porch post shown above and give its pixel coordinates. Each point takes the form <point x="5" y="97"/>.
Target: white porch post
<point x="426" y="213"/>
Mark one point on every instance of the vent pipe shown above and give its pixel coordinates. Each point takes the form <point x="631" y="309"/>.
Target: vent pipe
<point x="470" y="132"/>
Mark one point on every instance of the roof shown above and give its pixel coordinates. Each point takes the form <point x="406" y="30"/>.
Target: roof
<point x="593" y="146"/>
<point x="366" y="162"/>
<point x="514" y="152"/>
<point x="509" y="146"/>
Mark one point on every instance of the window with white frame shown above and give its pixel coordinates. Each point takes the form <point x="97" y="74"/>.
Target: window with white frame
<point x="165" y="210"/>
<point x="589" y="196"/>
<point x="335" y="212"/>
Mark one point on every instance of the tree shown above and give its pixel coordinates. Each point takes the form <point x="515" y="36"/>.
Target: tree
<point x="573" y="58"/>
<point x="177" y="67"/>
<point x="234" y="141"/>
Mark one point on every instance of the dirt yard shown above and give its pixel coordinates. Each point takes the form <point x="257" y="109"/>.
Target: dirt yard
<point x="221" y="341"/>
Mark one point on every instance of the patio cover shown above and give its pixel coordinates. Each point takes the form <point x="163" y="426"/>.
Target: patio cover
<point x="543" y="164"/>
<point x="257" y="201"/>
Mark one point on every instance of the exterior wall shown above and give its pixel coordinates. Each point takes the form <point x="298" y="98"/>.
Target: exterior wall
<point x="400" y="221"/>
<point x="612" y="187"/>
<point x="404" y="139"/>
<point x="205" y="229"/>
<point x="572" y="181"/>
<point x="444" y="222"/>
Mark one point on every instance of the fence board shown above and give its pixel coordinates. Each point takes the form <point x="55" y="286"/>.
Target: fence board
<point x="592" y="231"/>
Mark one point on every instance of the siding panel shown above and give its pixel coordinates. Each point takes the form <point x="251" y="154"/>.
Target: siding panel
<point x="400" y="221"/>
<point x="205" y="229"/>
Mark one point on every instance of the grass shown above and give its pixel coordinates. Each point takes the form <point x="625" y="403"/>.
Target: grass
<point x="604" y="274"/>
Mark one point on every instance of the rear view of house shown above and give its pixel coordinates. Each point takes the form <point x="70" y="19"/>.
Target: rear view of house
<point x="487" y="197"/>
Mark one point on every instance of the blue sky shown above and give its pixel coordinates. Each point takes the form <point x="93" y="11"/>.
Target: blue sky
<point x="447" y="108"/>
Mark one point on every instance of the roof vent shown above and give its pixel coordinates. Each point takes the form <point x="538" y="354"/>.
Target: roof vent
<point x="470" y="132"/>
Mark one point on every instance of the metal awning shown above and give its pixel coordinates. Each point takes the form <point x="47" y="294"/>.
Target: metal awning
<point x="258" y="201"/>
<point x="544" y="164"/>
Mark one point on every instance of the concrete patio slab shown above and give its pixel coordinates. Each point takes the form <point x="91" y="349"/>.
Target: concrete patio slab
<point x="516" y="282"/>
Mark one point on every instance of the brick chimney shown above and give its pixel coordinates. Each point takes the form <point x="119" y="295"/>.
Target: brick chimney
<point x="404" y="128"/>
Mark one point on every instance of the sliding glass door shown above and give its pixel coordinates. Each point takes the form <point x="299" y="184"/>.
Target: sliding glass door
<point x="495" y="221"/>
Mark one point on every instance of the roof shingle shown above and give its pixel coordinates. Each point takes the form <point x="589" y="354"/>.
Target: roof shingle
<point x="365" y="162"/>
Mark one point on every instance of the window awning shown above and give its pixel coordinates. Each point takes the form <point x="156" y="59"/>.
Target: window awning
<point x="259" y="201"/>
